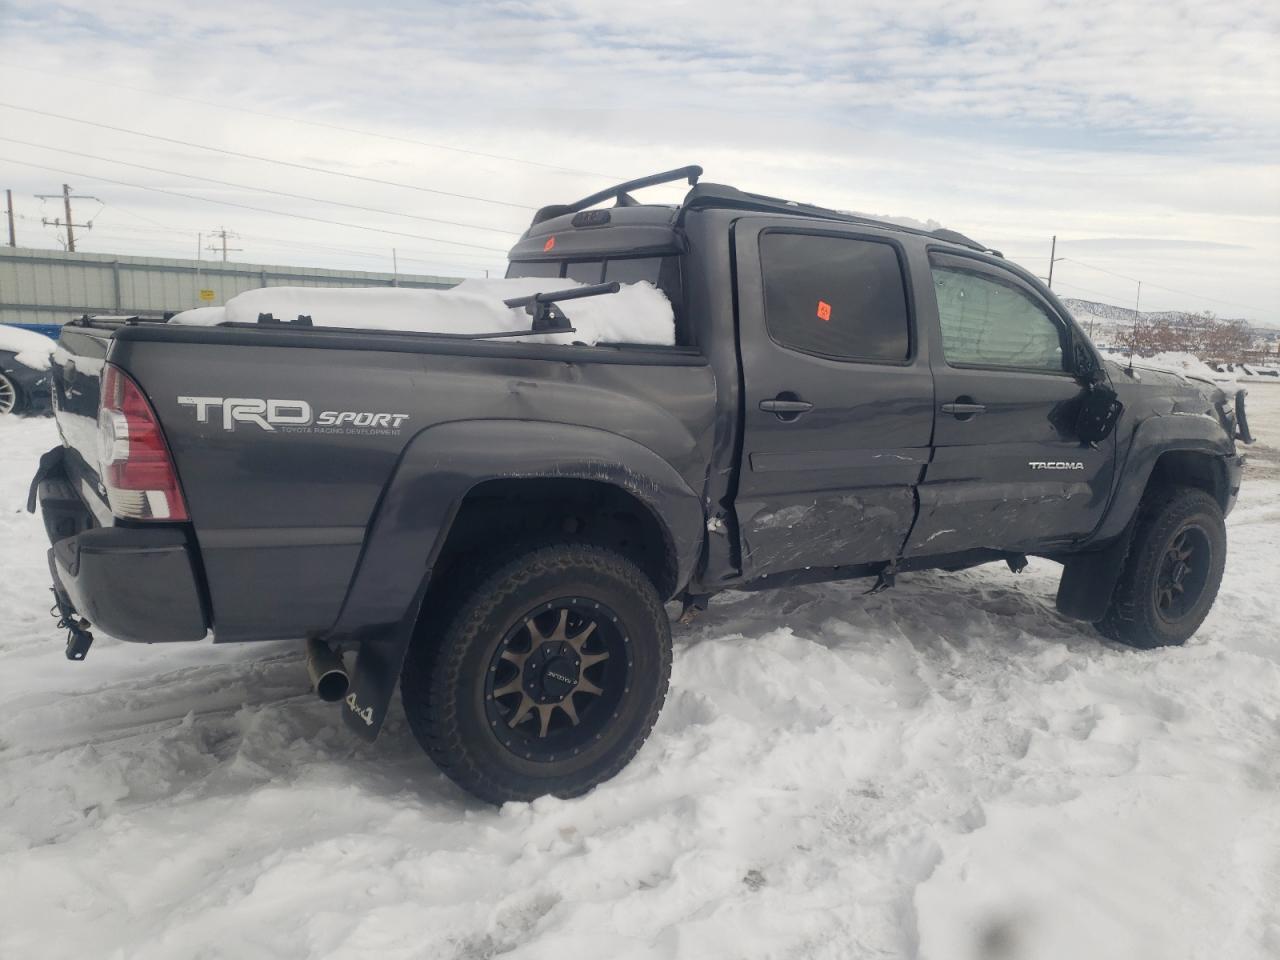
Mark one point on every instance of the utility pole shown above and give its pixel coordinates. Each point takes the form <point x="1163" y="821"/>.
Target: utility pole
<point x="8" y="195"/>
<point x="223" y="233"/>
<point x="1053" y="258"/>
<point x="395" y="268"/>
<point x="67" y="196"/>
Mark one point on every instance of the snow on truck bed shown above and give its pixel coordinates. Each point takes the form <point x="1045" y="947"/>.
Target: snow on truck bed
<point x="945" y="771"/>
<point x="638" y="313"/>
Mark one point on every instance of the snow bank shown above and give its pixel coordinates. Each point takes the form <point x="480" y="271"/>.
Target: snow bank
<point x="638" y="313"/>
<point x="1252" y="373"/>
<point x="201" y="317"/>
<point x="1186" y="364"/>
<point x="31" y="349"/>
<point x="946" y="771"/>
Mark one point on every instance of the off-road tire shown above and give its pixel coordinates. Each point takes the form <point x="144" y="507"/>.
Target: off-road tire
<point x="442" y="685"/>
<point x="1134" y="616"/>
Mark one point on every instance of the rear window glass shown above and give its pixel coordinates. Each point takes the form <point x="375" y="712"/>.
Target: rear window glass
<point x="662" y="272"/>
<point x="623" y="270"/>
<point x="835" y="296"/>
<point x="535" y="268"/>
<point x="633" y="270"/>
<point x="585" y="272"/>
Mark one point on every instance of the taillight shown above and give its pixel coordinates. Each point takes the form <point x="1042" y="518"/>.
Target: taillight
<point x="133" y="457"/>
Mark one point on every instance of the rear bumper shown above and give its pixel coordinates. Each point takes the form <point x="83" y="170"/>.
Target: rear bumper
<point x="134" y="583"/>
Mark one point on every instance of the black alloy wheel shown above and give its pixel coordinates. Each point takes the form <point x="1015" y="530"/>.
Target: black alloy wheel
<point x="1184" y="570"/>
<point x="557" y="677"/>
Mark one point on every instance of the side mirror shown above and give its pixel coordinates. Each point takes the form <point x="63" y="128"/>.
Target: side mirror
<point x="1085" y="365"/>
<point x="1099" y="412"/>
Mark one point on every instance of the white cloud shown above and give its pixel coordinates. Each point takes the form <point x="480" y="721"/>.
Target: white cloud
<point x="1007" y="120"/>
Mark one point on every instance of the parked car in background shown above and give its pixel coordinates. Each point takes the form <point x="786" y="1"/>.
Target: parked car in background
<point x="24" y="371"/>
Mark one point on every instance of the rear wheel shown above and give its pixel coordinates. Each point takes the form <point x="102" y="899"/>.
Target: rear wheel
<point x="546" y="677"/>
<point x="1172" y="574"/>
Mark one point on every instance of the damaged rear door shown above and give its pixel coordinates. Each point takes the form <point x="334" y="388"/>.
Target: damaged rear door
<point x="838" y="397"/>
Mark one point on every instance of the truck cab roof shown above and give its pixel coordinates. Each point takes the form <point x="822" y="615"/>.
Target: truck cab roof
<point x="582" y="230"/>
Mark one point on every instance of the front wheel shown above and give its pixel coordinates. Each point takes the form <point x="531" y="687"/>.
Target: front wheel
<point x="546" y="678"/>
<point x="1172" y="573"/>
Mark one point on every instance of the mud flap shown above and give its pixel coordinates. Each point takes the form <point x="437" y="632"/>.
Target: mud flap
<point x="1242" y="420"/>
<point x="1089" y="579"/>
<point x="378" y="664"/>
<point x="50" y="462"/>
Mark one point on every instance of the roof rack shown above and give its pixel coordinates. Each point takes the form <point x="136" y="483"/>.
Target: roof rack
<point x="622" y="192"/>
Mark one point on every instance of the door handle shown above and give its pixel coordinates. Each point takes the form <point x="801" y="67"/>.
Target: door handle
<point x="963" y="409"/>
<point x="786" y="408"/>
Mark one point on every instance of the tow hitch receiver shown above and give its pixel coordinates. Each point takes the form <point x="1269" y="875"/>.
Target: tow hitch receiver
<point x="79" y="639"/>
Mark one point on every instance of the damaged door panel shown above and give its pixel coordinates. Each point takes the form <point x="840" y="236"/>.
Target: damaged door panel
<point x="831" y="370"/>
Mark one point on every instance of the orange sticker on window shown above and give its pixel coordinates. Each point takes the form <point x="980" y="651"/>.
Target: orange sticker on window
<point x="551" y="242"/>
<point x="824" y="310"/>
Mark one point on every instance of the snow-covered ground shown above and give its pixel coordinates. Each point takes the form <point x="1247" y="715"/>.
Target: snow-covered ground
<point x="948" y="770"/>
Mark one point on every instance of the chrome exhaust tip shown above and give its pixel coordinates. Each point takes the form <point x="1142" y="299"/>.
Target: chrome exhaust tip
<point x="329" y="677"/>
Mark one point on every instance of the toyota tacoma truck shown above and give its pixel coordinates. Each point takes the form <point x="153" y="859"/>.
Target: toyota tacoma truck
<point x="497" y="525"/>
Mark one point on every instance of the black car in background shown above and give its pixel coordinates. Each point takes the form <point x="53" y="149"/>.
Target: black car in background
<point x="24" y="371"/>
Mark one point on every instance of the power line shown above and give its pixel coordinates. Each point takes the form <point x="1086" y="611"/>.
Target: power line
<point x="424" y="256"/>
<point x="246" y="206"/>
<point x="262" y="159"/>
<point x="269" y="243"/>
<point x="133" y="213"/>
<point x="278" y="193"/>
<point x="1096" y="293"/>
<point x="1181" y="293"/>
<point x="320" y="123"/>
<point x="224" y="233"/>
<point x="1101" y="269"/>
<point x="150" y="235"/>
<point x="67" y="197"/>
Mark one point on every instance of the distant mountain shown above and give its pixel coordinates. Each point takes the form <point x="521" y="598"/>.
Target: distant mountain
<point x="1109" y="311"/>
<point x="1106" y="323"/>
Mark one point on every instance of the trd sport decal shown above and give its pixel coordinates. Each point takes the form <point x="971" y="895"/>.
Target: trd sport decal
<point x="293" y="416"/>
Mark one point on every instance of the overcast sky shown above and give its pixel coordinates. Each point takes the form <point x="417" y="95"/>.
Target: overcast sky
<point x="1144" y="134"/>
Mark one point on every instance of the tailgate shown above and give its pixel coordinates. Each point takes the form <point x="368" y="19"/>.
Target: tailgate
<point x="76" y="380"/>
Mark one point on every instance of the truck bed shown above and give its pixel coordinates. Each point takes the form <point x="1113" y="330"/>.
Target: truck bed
<point x="286" y="439"/>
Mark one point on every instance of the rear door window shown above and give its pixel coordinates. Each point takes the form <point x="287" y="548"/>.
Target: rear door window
<point x="836" y="297"/>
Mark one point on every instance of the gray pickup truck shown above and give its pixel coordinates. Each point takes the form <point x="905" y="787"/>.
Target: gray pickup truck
<point x="497" y="524"/>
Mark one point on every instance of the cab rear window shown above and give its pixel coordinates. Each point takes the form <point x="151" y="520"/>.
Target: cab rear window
<point x="662" y="272"/>
<point x="621" y="269"/>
